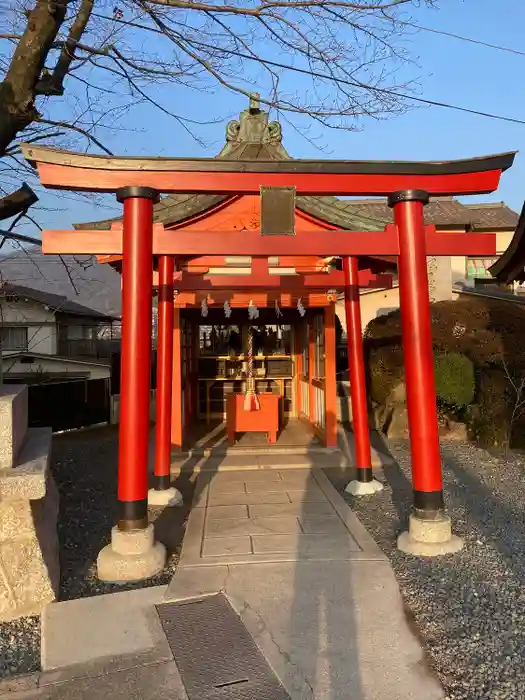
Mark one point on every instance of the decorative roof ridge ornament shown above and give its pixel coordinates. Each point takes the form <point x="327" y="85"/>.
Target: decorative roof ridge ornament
<point x="252" y="127"/>
<point x="255" y="103"/>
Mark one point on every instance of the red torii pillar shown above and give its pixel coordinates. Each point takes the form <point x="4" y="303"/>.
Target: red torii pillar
<point x="364" y="484"/>
<point x="429" y="530"/>
<point x="163" y="494"/>
<point x="133" y="535"/>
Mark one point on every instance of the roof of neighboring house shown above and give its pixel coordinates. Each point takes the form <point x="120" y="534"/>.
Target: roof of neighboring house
<point x="510" y="266"/>
<point x="493" y="215"/>
<point x="445" y="211"/>
<point x="56" y="302"/>
<point x="491" y="293"/>
<point x="9" y="355"/>
<point x="441" y="211"/>
<point x="75" y="277"/>
<point x="253" y="137"/>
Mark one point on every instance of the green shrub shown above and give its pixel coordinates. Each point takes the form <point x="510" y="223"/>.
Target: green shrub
<point x="491" y="416"/>
<point x="455" y="382"/>
<point x="385" y="370"/>
<point x="485" y="331"/>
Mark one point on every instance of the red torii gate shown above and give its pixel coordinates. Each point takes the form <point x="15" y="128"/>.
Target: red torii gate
<point x="137" y="183"/>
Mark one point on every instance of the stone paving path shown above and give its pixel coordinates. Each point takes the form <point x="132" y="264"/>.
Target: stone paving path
<point x="309" y="583"/>
<point x="270" y="516"/>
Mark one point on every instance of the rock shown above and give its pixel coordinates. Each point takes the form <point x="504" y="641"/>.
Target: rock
<point x="13" y="422"/>
<point x="392" y="418"/>
<point x="455" y="431"/>
<point x="398" y="394"/>
<point x="397" y="427"/>
<point x="29" y="562"/>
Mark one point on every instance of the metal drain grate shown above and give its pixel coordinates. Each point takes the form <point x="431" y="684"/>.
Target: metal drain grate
<point x="216" y="656"/>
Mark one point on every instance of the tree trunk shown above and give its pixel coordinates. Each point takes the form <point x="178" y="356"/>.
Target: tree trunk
<point x="18" y="90"/>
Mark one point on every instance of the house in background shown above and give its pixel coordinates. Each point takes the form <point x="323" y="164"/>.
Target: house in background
<point x="62" y="350"/>
<point x="448" y="276"/>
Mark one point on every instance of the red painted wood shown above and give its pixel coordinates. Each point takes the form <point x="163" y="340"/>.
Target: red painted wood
<point x="164" y="367"/>
<point x="265" y="420"/>
<point x="311" y="370"/>
<point x="242" y="299"/>
<point x="299" y="370"/>
<point x="320" y="243"/>
<point x="306" y="263"/>
<point x="417" y="348"/>
<point x="334" y="280"/>
<point x="356" y="365"/>
<point x="188" y="282"/>
<point x="176" y="390"/>
<point x="136" y="350"/>
<point x="330" y="383"/>
<point x="99" y="180"/>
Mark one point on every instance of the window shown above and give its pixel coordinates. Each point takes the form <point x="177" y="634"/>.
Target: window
<point x="81" y="332"/>
<point x="14" y="338"/>
<point x="479" y="267"/>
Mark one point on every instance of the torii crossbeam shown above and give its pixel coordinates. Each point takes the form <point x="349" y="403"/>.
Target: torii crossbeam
<point x="323" y="243"/>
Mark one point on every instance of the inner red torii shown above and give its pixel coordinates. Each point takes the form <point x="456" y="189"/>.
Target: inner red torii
<point x="137" y="184"/>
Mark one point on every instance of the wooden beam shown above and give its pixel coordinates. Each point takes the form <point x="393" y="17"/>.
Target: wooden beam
<point x="306" y="263"/>
<point x="202" y="264"/>
<point x="37" y="155"/>
<point x="320" y="243"/>
<point x="288" y="283"/>
<point x="378" y="184"/>
<point x="240" y="300"/>
<point x="176" y="387"/>
<point x="330" y="382"/>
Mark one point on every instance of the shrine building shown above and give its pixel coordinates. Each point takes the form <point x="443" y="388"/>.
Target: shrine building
<point x="249" y="253"/>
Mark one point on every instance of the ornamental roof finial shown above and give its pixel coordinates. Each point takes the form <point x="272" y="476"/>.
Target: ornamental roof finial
<point x="255" y="102"/>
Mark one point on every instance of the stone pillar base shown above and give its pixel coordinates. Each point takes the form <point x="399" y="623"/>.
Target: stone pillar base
<point x="166" y="497"/>
<point x="429" y="538"/>
<point x="364" y="488"/>
<point x="131" y="556"/>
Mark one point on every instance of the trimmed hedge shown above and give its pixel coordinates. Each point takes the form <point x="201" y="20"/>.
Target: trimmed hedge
<point x="486" y="333"/>
<point x="491" y="415"/>
<point x="455" y="382"/>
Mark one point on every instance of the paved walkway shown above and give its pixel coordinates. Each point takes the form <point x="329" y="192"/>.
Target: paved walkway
<point x="309" y="583"/>
<point x="249" y="517"/>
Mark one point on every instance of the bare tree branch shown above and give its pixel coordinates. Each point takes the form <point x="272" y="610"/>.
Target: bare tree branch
<point x="78" y="129"/>
<point x="265" y="6"/>
<point x="344" y="49"/>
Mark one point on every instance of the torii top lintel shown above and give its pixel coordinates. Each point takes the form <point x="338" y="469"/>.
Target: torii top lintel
<point x="74" y="171"/>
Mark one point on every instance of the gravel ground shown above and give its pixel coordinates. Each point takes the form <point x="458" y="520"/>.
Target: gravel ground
<point x="469" y="608"/>
<point x="84" y="466"/>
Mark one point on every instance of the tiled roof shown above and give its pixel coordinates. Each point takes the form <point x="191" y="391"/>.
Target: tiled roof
<point x="445" y="211"/>
<point x="497" y="215"/>
<point x="77" y="277"/>
<point x="56" y="302"/>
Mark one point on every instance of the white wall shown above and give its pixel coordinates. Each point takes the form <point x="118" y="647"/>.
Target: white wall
<point x="41" y="324"/>
<point x="373" y="304"/>
<point x="503" y="240"/>
<point x="379" y="302"/>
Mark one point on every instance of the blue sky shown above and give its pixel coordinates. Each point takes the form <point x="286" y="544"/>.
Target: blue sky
<point x="449" y="71"/>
